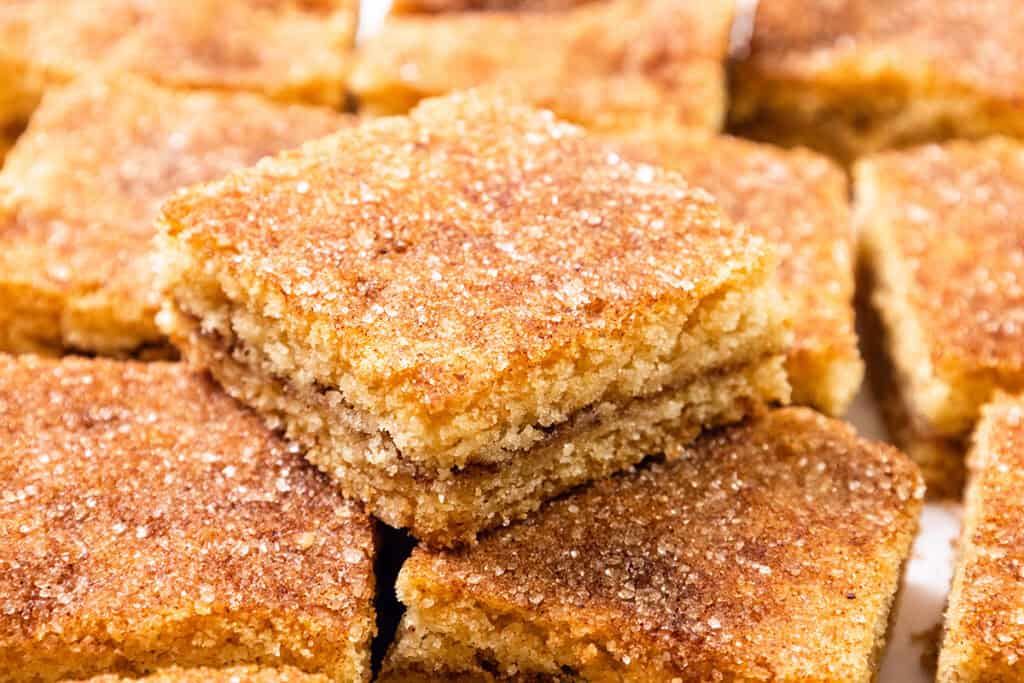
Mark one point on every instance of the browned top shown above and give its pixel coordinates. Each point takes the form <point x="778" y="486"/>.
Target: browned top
<point x="450" y="252"/>
<point x="795" y="199"/>
<point x="236" y="674"/>
<point x="137" y="493"/>
<point x="83" y="185"/>
<point x="601" y="65"/>
<point x="768" y="550"/>
<point x="986" y="614"/>
<point x="974" y="45"/>
<point x="290" y="49"/>
<point x="955" y="213"/>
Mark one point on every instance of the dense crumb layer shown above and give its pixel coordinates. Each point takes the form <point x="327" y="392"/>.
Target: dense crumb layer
<point x="771" y="550"/>
<point x="984" y="629"/>
<point x="79" y="194"/>
<point x="616" y="64"/>
<point x="235" y="674"/>
<point x="467" y="274"/>
<point x="290" y="50"/>
<point x="443" y="506"/>
<point x="798" y="202"/>
<point x="943" y="235"/>
<point x="148" y="520"/>
<point x="855" y="76"/>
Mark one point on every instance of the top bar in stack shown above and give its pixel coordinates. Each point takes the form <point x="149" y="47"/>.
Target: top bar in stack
<point x="469" y="310"/>
<point x="616" y="64"/>
<point x="798" y="201"/>
<point x="943" y="234"/>
<point x="291" y="50"/>
<point x="851" y="77"/>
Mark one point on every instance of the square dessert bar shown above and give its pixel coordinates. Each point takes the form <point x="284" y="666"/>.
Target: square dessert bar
<point x="984" y="628"/>
<point x="291" y="50"/>
<point x="148" y="520"/>
<point x="233" y="674"/>
<point x="469" y="310"/>
<point x="942" y="229"/>
<point x="798" y="201"/>
<point x="80" y="192"/>
<point x="851" y="77"/>
<point x="772" y="550"/>
<point x="616" y="64"/>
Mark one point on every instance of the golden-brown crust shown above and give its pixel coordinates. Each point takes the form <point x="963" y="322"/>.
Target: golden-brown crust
<point x="443" y="257"/>
<point x="287" y="49"/>
<point x="603" y="65"/>
<point x="798" y="201"/>
<point x="767" y="550"/>
<point x="82" y="187"/>
<point x="235" y="674"/>
<point x="148" y="520"/>
<point x="984" y="630"/>
<point x="972" y="46"/>
<point x="944" y="236"/>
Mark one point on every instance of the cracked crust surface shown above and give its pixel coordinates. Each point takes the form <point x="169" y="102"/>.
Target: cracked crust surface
<point x="616" y="64"/>
<point x="855" y="76"/>
<point x="294" y="50"/>
<point x="984" y="627"/>
<point x="942" y="236"/>
<point x="149" y="520"/>
<point x="446" y="290"/>
<point x="769" y="550"/>
<point x="80" y="192"/>
<point x="797" y="201"/>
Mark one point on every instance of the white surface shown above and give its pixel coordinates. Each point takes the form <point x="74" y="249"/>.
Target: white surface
<point x="928" y="575"/>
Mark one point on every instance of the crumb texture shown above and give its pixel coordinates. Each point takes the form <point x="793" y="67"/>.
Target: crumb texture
<point x="984" y="630"/>
<point x="147" y="520"/>
<point x="604" y="65"/>
<point x="80" y="192"/>
<point x="797" y="201"/>
<point x="475" y="268"/>
<point x="768" y="551"/>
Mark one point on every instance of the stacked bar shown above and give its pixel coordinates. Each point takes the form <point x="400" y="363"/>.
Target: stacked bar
<point x="80" y="192"/>
<point x="147" y="520"/>
<point x="984" y="630"/>
<point x="604" y="65"/>
<point x="798" y="202"/>
<point x="942" y="234"/>
<point x="467" y="311"/>
<point x="768" y="551"/>
<point x="852" y="77"/>
<point x="286" y="49"/>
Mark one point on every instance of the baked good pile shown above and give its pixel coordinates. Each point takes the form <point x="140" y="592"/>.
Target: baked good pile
<point x="509" y="340"/>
